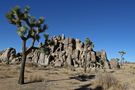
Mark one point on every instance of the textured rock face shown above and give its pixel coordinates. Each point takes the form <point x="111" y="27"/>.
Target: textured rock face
<point x="69" y="51"/>
<point x="78" y="45"/>
<point x="8" y="55"/>
<point x="93" y="56"/>
<point x="64" y="51"/>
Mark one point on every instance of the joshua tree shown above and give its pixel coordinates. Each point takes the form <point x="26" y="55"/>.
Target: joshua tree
<point x="87" y="44"/>
<point x="85" y="59"/>
<point x="27" y="28"/>
<point x="122" y="53"/>
<point x="117" y="59"/>
<point x="44" y="48"/>
<point x="118" y="64"/>
<point x="46" y="36"/>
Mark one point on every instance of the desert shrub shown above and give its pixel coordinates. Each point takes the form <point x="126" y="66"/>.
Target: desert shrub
<point x="109" y="82"/>
<point x="131" y="67"/>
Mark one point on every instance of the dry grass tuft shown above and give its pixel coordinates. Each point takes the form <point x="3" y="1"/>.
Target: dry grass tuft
<point x="29" y="64"/>
<point x="5" y="76"/>
<point x="35" y="78"/>
<point x="109" y="82"/>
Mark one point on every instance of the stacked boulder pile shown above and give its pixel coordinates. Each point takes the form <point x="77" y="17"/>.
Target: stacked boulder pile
<point x="61" y="52"/>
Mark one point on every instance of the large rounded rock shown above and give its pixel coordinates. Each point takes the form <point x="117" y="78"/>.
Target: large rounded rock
<point x="41" y="60"/>
<point x="8" y="55"/>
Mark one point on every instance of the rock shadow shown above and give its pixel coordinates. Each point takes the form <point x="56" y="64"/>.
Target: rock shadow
<point x="83" y="77"/>
<point x="36" y="81"/>
<point x="87" y="87"/>
<point x="84" y="87"/>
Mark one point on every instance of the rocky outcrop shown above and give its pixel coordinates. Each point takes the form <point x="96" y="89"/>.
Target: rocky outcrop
<point x="60" y="51"/>
<point x="69" y="51"/>
<point x="7" y="55"/>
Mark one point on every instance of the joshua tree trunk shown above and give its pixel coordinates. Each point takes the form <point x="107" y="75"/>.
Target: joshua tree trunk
<point x="121" y="60"/>
<point x="22" y="68"/>
<point x="85" y="67"/>
<point x="85" y="62"/>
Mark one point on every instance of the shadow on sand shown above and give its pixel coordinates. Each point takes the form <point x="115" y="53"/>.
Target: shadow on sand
<point x="87" y="87"/>
<point x="28" y="82"/>
<point x="83" y="77"/>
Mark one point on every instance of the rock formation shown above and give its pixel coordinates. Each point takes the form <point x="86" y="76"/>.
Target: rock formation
<point x="61" y="52"/>
<point x="7" y="55"/>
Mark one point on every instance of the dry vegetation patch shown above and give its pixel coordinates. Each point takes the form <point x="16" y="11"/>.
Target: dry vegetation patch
<point x="35" y="78"/>
<point x="67" y="79"/>
<point x="8" y="71"/>
<point x="109" y="82"/>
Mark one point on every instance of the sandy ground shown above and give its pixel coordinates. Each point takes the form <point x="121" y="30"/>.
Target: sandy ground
<point x="60" y="78"/>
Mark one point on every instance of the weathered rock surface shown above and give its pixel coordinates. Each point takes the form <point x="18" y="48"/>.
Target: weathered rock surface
<point x="64" y="51"/>
<point x="8" y="55"/>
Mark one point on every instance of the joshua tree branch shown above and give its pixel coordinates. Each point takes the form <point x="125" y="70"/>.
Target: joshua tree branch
<point x="29" y="50"/>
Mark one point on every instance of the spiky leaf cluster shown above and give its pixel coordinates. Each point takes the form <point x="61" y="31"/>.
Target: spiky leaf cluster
<point x="46" y="36"/>
<point x="117" y="59"/>
<point x="88" y="42"/>
<point x="122" y="52"/>
<point x="47" y="40"/>
<point x="28" y="26"/>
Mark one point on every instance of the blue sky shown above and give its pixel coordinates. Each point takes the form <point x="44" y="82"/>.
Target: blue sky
<point x="110" y="24"/>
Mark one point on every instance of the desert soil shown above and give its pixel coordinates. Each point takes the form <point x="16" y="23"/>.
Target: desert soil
<point x="60" y="78"/>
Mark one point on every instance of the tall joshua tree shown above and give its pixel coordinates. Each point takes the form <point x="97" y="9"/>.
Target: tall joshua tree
<point x="122" y="53"/>
<point x="28" y="27"/>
